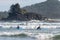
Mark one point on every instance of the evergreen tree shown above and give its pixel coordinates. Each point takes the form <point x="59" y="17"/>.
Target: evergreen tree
<point x="14" y="11"/>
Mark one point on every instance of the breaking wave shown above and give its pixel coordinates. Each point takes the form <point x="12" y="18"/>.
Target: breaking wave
<point x="36" y="34"/>
<point x="13" y="34"/>
<point x="39" y="36"/>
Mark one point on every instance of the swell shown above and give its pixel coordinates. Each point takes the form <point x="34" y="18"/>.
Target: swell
<point x="13" y="34"/>
<point x="18" y="35"/>
<point x="57" y="37"/>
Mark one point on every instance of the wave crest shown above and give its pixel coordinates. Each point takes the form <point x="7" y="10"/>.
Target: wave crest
<point x="13" y="34"/>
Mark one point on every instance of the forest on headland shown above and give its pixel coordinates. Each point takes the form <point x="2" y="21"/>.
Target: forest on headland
<point x="17" y="13"/>
<point x="38" y="11"/>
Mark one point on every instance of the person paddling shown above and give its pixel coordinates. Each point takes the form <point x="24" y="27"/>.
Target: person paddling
<point x="17" y="27"/>
<point x="38" y="27"/>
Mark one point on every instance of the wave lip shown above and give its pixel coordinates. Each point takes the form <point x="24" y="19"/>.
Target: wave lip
<point x="38" y="36"/>
<point x="13" y="34"/>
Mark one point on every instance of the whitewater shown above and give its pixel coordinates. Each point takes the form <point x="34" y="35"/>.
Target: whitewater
<point x="48" y="31"/>
<point x="26" y="34"/>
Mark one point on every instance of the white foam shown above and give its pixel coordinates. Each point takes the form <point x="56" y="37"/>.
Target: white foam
<point x="44" y="36"/>
<point x="38" y="36"/>
<point x="9" y="33"/>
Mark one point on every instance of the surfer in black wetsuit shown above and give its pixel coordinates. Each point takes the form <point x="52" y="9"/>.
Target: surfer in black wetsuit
<point x="38" y="27"/>
<point x="17" y="27"/>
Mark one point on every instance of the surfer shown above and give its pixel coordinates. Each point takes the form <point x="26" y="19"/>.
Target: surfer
<point x="38" y="27"/>
<point x="17" y="27"/>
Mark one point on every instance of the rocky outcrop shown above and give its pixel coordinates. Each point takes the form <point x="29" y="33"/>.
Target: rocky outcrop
<point x="15" y="13"/>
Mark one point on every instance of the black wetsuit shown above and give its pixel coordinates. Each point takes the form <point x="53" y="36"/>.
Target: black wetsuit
<point x="38" y="27"/>
<point x="18" y="27"/>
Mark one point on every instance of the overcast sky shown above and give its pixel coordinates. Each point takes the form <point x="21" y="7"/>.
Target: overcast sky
<point x="5" y="4"/>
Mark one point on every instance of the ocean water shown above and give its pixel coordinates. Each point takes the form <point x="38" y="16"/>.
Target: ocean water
<point x="29" y="34"/>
